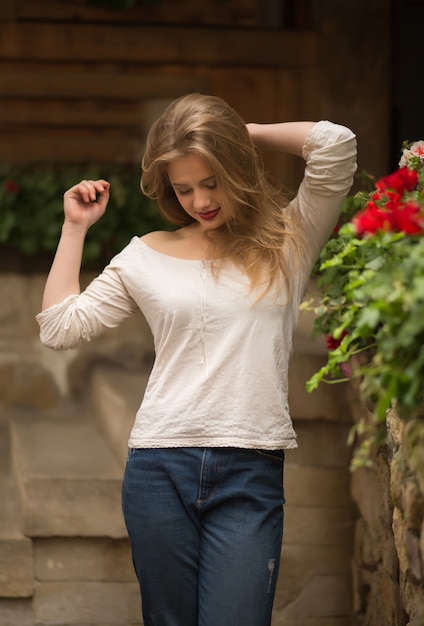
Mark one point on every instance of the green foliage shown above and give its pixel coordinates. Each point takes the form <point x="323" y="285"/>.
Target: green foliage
<point x="31" y="209"/>
<point x="372" y="306"/>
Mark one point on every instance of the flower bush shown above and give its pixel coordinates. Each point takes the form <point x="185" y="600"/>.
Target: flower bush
<point x="371" y="277"/>
<point x="31" y="209"/>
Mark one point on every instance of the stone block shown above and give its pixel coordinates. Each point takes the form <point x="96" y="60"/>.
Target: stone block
<point x="318" y="526"/>
<point x="16" y="556"/>
<point x="287" y="590"/>
<point x="316" y="486"/>
<point x="321" y="444"/>
<point x="16" y="310"/>
<point x="399" y="474"/>
<point x="413" y="449"/>
<point x="59" y="559"/>
<point x="304" y="341"/>
<point x="302" y="561"/>
<point x="399" y="532"/>
<point x="26" y="384"/>
<point x="413" y="551"/>
<point x="16" y="568"/>
<point x="116" y="395"/>
<point x="76" y="603"/>
<point x="14" y="612"/>
<point x="279" y="619"/>
<point x="70" y="483"/>
<point x="134" y="606"/>
<point x="369" y="489"/>
<point x="4" y="448"/>
<point x="366" y="553"/>
<point x="383" y="605"/>
<point x="327" y="401"/>
<point x="413" y="505"/>
<point x="395" y="428"/>
<point x="320" y="596"/>
<point x="117" y="561"/>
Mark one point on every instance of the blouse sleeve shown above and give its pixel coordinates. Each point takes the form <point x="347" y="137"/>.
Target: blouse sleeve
<point x="104" y="304"/>
<point x="330" y="155"/>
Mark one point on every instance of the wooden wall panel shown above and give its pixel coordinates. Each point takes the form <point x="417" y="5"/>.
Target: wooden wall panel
<point x="59" y="82"/>
<point x="156" y="44"/>
<point x="230" y="12"/>
<point x="77" y="89"/>
<point x="53" y="145"/>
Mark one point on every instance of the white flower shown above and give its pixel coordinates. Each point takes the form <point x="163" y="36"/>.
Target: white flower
<point x="415" y="150"/>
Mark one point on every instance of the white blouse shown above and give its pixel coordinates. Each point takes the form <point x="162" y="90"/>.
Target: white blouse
<point x="220" y="374"/>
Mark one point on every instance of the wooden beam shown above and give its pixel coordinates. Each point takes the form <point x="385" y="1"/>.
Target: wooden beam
<point x="156" y="44"/>
<point x="72" y="113"/>
<point x="71" y="146"/>
<point x="226" y="13"/>
<point x="58" y="83"/>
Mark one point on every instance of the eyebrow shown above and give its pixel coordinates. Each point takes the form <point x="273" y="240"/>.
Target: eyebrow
<point x="204" y="180"/>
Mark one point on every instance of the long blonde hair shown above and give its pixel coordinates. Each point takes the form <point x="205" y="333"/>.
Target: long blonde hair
<point x="255" y="234"/>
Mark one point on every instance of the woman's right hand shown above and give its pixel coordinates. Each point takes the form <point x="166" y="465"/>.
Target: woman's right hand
<point x="85" y="203"/>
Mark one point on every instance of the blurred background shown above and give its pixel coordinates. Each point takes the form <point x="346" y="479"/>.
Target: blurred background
<point x="80" y="83"/>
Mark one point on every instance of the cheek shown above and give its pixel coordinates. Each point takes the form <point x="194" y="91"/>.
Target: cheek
<point x="184" y="203"/>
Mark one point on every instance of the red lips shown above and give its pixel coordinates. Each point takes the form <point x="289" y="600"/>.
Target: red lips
<point x="209" y="215"/>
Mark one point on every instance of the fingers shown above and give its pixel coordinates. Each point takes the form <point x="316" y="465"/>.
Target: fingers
<point x="88" y="190"/>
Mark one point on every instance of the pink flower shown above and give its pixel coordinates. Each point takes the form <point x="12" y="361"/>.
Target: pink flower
<point x="415" y="149"/>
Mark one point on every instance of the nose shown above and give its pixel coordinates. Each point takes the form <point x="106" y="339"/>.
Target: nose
<point x="201" y="199"/>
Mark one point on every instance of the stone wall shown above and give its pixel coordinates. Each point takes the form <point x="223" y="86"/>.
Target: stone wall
<point x="64" y="422"/>
<point x="388" y="563"/>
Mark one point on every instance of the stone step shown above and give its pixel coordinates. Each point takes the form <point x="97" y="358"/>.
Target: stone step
<point x="4" y="446"/>
<point x="16" y="554"/>
<point x="116" y="395"/>
<point x="68" y="479"/>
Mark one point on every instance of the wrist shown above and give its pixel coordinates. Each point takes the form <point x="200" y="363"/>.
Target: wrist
<point x="71" y="229"/>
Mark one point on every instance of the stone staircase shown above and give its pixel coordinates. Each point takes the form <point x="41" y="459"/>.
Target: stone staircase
<point x="60" y="485"/>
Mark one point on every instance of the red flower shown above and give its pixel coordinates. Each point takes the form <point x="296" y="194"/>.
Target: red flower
<point x="373" y="219"/>
<point x="11" y="187"/>
<point x="332" y="342"/>
<point x="401" y="180"/>
<point x="387" y="210"/>
<point x="409" y="220"/>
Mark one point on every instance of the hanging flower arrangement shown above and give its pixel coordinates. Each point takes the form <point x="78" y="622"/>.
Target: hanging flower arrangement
<point x="371" y="278"/>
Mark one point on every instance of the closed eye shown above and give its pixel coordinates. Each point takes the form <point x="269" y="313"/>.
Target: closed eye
<point x="185" y="192"/>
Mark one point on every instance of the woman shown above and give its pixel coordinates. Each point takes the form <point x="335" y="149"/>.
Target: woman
<point x="203" y="486"/>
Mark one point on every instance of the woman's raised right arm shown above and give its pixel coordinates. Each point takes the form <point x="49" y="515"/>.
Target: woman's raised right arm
<point x="84" y="205"/>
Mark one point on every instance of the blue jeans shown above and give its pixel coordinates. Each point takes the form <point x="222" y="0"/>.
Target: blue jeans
<point x="205" y="526"/>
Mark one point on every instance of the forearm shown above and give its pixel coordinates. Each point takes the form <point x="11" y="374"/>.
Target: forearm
<point x="288" y="137"/>
<point x="63" y="278"/>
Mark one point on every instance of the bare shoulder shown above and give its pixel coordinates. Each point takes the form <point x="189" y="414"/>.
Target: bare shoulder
<point x="159" y="238"/>
<point x="182" y="243"/>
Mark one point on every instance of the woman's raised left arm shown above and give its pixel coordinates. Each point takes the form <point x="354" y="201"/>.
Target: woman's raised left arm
<point x="286" y="137"/>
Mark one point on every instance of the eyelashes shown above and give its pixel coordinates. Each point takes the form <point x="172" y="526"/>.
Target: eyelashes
<point x="185" y="192"/>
